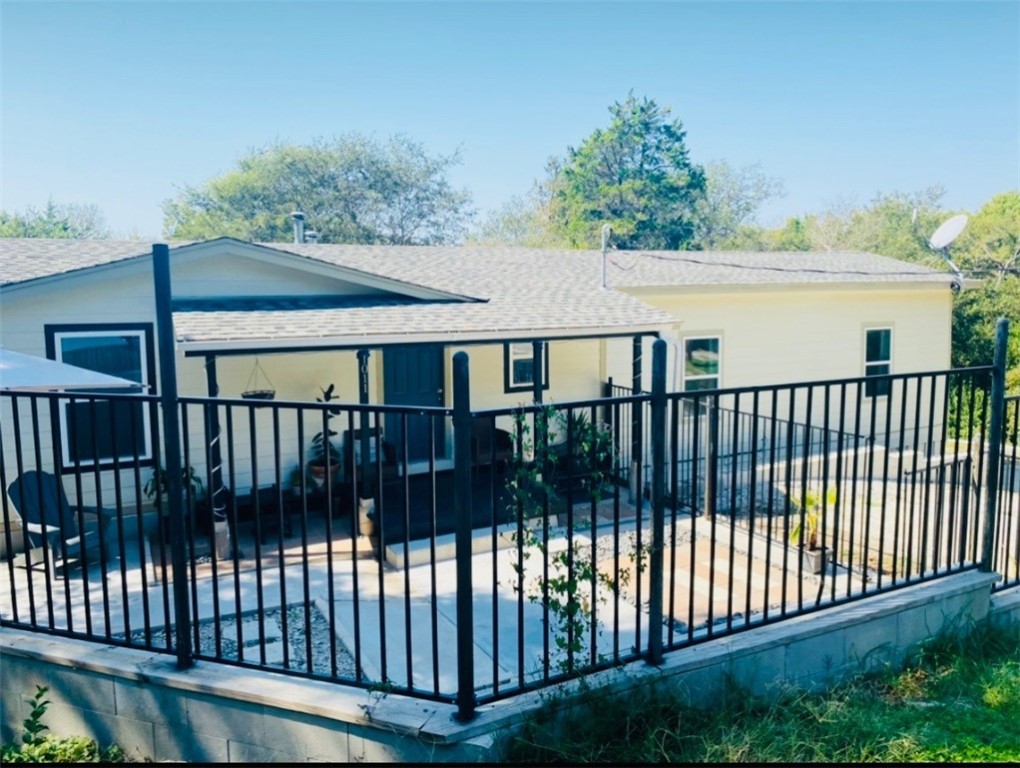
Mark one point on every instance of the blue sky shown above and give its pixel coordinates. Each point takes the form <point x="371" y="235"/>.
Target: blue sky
<point x="121" y="104"/>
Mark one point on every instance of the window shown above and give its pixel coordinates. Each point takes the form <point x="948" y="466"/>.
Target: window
<point x="700" y="367"/>
<point x="519" y="366"/>
<point x="877" y="360"/>
<point x="701" y="363"/>
<point x="90" y="433"/>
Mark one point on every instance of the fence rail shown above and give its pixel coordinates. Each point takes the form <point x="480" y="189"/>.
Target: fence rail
<point x="467" y="555"/>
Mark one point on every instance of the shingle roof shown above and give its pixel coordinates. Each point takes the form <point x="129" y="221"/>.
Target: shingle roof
<point x="523" y="291"/>
<point x="25" y="259"/>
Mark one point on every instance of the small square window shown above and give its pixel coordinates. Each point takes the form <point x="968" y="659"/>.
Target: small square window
<point x="519" y="366"/>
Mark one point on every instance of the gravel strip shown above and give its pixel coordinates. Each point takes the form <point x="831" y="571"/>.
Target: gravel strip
<point x="272" y="632"/>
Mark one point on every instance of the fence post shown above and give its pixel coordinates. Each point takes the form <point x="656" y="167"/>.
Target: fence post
<point x="998" y="406"/>
<point x="712" y="460"/>
<point x="658" y="439"/>
<point x="636" y="436"/>
<point x="462" y="507"/>
<point x="172" y="449"/>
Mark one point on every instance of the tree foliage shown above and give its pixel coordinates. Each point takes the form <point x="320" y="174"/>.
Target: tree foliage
<point x="523" y="221"/>
<point x="635" y="175"/>
<point x="352" y="189"/>
<point x="988" y="249"/>
<point x="732" y="198"/>
<point x="990" y="243"/>
<point x="66" y="221"/>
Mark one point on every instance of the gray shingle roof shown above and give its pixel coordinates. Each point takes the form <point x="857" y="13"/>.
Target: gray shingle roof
<point x="524" y="291"/>
<point x="25" y="259"/>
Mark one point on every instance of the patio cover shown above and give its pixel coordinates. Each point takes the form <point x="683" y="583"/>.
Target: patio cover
<point x="19" y="372"/>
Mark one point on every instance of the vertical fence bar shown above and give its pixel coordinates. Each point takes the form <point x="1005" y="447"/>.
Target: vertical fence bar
<point x="172" y="454"/>
<point x="998" y="406"/>
<point x="462" y="504"/>
<point x="658" y="501"/>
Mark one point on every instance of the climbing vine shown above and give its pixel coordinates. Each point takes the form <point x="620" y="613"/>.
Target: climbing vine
<point x="543" y="476"/>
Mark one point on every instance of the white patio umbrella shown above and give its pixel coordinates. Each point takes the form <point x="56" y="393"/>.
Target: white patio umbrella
<point x="20" y="372"/>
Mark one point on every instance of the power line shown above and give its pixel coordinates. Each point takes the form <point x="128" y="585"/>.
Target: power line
<point x="772" y="268"/>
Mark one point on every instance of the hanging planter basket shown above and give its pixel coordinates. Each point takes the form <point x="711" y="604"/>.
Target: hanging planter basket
<point x="253" y="389"/>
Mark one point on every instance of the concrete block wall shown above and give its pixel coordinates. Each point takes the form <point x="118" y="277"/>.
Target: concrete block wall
<point x="1004" y="607"/>
<point x="218" y="713"/>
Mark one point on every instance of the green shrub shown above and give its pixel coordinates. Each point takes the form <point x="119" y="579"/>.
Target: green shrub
<point x="37" y="748"/>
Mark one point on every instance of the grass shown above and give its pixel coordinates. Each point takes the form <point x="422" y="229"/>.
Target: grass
<point x="957" y="700"/>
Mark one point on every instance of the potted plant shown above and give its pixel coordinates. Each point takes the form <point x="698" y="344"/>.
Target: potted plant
<point x="158" y="485"/>
<point x="322" y="451"/>
<point x="295" y="478"/>
<point x="808" y="529"/>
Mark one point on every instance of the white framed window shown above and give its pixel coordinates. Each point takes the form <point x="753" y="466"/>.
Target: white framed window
<point x="877" y="360"/>
<point x="701" y="367"/>
<point x="702" y="362"/>
<point x="92" y="431"/>
<point x="519" y="366"/>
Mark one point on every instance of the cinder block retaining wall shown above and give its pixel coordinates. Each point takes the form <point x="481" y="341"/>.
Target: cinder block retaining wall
<point x="218" y="713"/>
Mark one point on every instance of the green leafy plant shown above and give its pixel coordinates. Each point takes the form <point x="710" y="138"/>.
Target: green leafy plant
<point x="574" y="584"/>
<point x="33" y="724"/>
<point x="322" y="450"/>
<point x="37" y="748"/>
<point x="810" y="526"/>
<point x="157" y="486"/>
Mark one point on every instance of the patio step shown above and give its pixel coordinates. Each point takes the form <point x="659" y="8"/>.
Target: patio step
<point x="419" y="550"/>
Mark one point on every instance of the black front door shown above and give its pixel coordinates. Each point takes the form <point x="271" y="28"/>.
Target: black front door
<point x="413" y="375"/>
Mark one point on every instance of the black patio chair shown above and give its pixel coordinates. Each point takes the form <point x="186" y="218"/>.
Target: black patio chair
<point x="52" y="524"/>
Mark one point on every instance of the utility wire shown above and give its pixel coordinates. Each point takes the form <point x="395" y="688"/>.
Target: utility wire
<point x="766" y="268"/>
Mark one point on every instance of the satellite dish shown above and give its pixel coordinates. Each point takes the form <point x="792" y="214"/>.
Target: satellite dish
<point x="948" y="232"/>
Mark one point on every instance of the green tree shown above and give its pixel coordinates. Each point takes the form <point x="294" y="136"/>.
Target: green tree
<point x="67" y="221"/>
<point x="990" y="243"/>
<point x="352" y="189"/>
<point x="724" y="214"/>
<point x="523" y="221"/>
<point x="635" y="175"/>
<point x="989" y="250"/>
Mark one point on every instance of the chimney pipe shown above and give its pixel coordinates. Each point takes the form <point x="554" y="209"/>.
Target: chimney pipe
<point x="607" y="232"/>
<point x="299" y="226"/>
<point x="311" y="236"/>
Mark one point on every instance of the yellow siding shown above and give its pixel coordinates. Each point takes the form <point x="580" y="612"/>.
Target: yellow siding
<point x="781" y="336"/>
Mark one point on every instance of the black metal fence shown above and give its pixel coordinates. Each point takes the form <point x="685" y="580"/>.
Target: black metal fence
<point x="466" y="556"/>
<point x="1006" y="560"/>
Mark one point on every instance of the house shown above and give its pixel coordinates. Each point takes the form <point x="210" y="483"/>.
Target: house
<point x="381" y="323"/>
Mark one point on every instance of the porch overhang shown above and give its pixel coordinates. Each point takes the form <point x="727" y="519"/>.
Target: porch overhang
<point x="226" y="347"/>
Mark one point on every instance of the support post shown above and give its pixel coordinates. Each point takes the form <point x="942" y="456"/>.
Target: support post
<point x="462" y="507"/>
<point x="217" y="495"/>
<point x="172" y="449"/>
<point x="366" y="490"/>
<point x="658" y="501"/>
<point x="636" y="436"/>
<point x="998" y="406"/>
<point x="538" y="370"/>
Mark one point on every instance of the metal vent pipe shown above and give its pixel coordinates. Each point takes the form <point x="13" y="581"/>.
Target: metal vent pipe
<point x="299" y="226"/>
